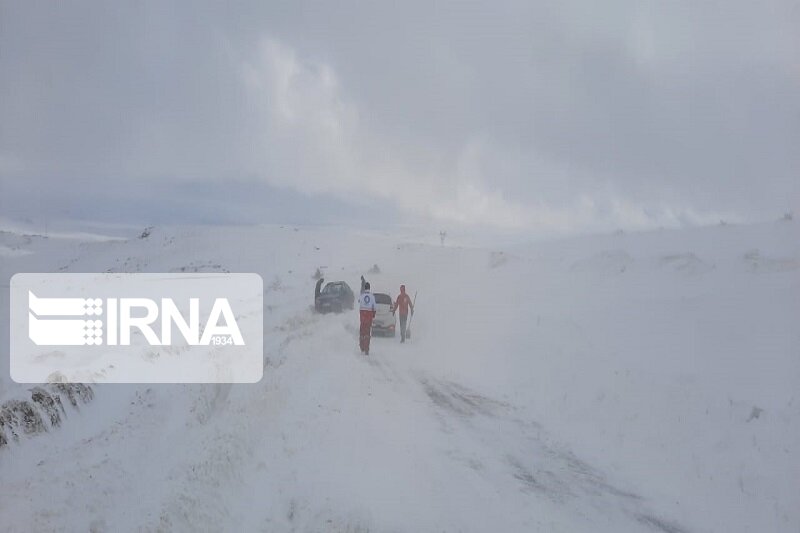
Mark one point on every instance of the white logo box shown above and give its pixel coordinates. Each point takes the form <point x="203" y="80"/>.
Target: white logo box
<point x="136" y="328"/>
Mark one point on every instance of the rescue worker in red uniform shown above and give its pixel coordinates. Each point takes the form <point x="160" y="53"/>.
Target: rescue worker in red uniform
<point x="402" y="305"/>
<point x="366" y="305"/>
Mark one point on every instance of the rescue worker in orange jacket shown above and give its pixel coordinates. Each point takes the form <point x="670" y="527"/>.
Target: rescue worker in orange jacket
<point x="402" y="305"/>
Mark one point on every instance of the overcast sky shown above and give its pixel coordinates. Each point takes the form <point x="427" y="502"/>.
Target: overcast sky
<point x="562" y="116"/>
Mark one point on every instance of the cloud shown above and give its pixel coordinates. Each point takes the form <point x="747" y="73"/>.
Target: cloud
<point x="301" y="104"/>
<point x="551" y="116"/>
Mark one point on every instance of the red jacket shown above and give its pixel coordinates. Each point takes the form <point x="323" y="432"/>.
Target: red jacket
<point x="403" y="303"/>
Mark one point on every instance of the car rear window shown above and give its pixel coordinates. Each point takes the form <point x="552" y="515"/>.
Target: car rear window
<point x="383" y="299"/>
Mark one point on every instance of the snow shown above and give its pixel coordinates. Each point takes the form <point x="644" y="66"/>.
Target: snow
<point x="629" y="382"/>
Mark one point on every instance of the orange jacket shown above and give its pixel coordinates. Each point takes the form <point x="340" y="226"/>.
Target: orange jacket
<point x="402" y="303"/>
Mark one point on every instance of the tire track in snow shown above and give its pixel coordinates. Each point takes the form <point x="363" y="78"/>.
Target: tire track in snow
<point x="531" y="459"/>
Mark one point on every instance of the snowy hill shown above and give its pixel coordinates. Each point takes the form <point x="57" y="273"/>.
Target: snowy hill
<point x="643" y="382"/>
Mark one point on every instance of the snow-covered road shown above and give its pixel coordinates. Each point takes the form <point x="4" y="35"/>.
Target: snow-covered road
<point x="329" y="440"/>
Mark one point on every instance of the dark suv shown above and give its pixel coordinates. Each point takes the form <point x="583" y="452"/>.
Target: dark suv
<point x="335" y="298"/>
